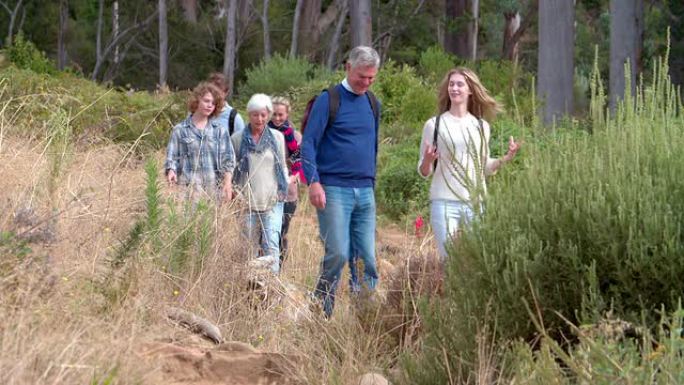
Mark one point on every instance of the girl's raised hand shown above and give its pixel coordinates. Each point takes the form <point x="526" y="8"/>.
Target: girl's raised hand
<point x="513" y="148"/>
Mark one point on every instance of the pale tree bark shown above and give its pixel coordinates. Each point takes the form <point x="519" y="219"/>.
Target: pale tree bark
<point x="473" y="29"/>
<point x="555" y="61"/>
<point x="163" y="44"/>
<point x="61" y="35"/>
<point x="115" y="28"/>
<point x="245" y="15"/>
<point x="13" y="18"/>
<point x="98" y="36"/>
<point x="230" y="50"/>
<point x="295" y="28"/>
<point x="189" y="10"/>
<point x="118" y="38"/>
<point x="383" y="40"/>
<point x="335" y="39"/>
<point x="460" y="37"/>
<point x="312" y="24"/>
<point x="626" y="28"/>
<point x="267" y="33"/>
<point x="361" y="23"/>
<point x="510" y="47"/>
<point x="515" y="27"/>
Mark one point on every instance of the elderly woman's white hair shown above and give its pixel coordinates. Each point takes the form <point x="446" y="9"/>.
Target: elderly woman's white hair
<point x="259" y="102"/>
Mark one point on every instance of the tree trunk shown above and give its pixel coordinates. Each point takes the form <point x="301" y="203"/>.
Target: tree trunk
<point x="13" y="18"/>
<point x="460" y="37"/>
<point x="335" y="40"/>
<point x="473" y="28"/>
<point x="555" y="61"/>
<point x="308" y="38"/>
<point x="229" y="52"/>
<point x="163" y="44"/>
<point x="312" y="24"/>
<point x="61" y="35"/>
<point x="361" y="23"/>
<point x="98" y="38"/>
<point x="115" y="29"/>
<point x="267" y="35"/>
<point x="189" y="10"/>
<point x="295" y="29"/>
<point x="117" y="39"/>
<point x="510" y="46"/>
<point x="626" y="22"/>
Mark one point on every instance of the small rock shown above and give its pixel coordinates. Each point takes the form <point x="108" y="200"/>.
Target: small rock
<point x="373" y="379"/>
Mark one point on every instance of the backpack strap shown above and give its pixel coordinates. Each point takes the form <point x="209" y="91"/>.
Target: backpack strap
<point x="435" y="136"/>
<point x="374" y="103"/>
<point x="231" y="121"/>
<point x="333" y="104"/>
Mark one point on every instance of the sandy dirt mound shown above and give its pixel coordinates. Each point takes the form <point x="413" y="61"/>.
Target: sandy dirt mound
<point x="231" y="363"/>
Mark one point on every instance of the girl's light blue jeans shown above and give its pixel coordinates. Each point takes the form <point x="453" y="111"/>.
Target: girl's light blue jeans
<point x="446" y="216"/>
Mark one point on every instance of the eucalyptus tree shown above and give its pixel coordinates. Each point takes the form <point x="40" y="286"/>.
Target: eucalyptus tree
<point x="556" y="58"/>
<point x="460" y="37"/>
<point x="13" y="11"/>
<point x="626" y="34"/>
<point x="361" y="22"/>
<point x="163" y="44"/>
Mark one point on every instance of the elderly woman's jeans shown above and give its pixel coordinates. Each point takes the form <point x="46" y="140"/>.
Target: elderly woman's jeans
<point x="445" y="217"/>
<point x="264" y="227"/>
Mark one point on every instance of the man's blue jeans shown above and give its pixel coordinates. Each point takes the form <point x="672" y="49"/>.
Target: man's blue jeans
<point x="264" y="227"/>
<point x="346" y="224"/>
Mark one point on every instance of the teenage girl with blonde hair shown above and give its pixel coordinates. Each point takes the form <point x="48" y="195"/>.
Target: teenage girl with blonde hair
<point x="454" y="149"/>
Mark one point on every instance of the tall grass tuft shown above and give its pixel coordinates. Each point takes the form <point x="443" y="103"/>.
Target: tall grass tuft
<point x="153" y="202"/>
<point x="591" y="223"/>
<point x="58" y="147"/>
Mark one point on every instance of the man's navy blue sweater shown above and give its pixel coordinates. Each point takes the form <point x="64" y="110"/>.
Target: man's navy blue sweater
<point x="344" y="154"/>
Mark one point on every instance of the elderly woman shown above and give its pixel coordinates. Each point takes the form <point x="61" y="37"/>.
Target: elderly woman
<point x="261" y="176"/>
<point x="200" y="154"/>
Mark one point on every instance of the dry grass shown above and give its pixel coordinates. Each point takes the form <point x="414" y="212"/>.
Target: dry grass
<point x="58" y="326"/>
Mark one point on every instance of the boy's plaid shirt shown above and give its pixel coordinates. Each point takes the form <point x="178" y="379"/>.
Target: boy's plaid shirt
<point x="200" y="157"/>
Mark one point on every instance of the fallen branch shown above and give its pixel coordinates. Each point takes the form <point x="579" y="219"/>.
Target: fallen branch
<point x="195" y="324"/>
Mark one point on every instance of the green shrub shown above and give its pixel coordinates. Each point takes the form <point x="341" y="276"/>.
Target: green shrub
<point x="588" y="221"/>
<point x="407" y="102"/>
<point x="24" y="54"/>
<point x="605" y="355"/>
<point x="435" y="63"/>
<point x="400" y="190"/>
<point x="94" y="111"/>
<point x="279" y="75"/>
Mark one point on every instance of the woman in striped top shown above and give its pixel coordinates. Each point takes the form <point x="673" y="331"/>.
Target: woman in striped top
<point x="280" y="121"/>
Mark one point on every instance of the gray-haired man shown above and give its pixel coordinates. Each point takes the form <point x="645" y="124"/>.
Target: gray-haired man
<point x="339" y="161"/>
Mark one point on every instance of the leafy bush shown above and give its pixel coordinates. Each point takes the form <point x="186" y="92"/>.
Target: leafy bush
<point x="605" y="355"/>
<point x="434" y="63"/>
<point x="94" y="111"/>
<point x="24" y="54"/>
<point x="590" y="222"/>
<point x="279" y="75"/>
<point x="400" y="190"/>
<point x="406" y="100"/>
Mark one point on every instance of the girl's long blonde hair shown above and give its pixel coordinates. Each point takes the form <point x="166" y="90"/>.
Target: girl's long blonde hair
<point x="480" y="103"/>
